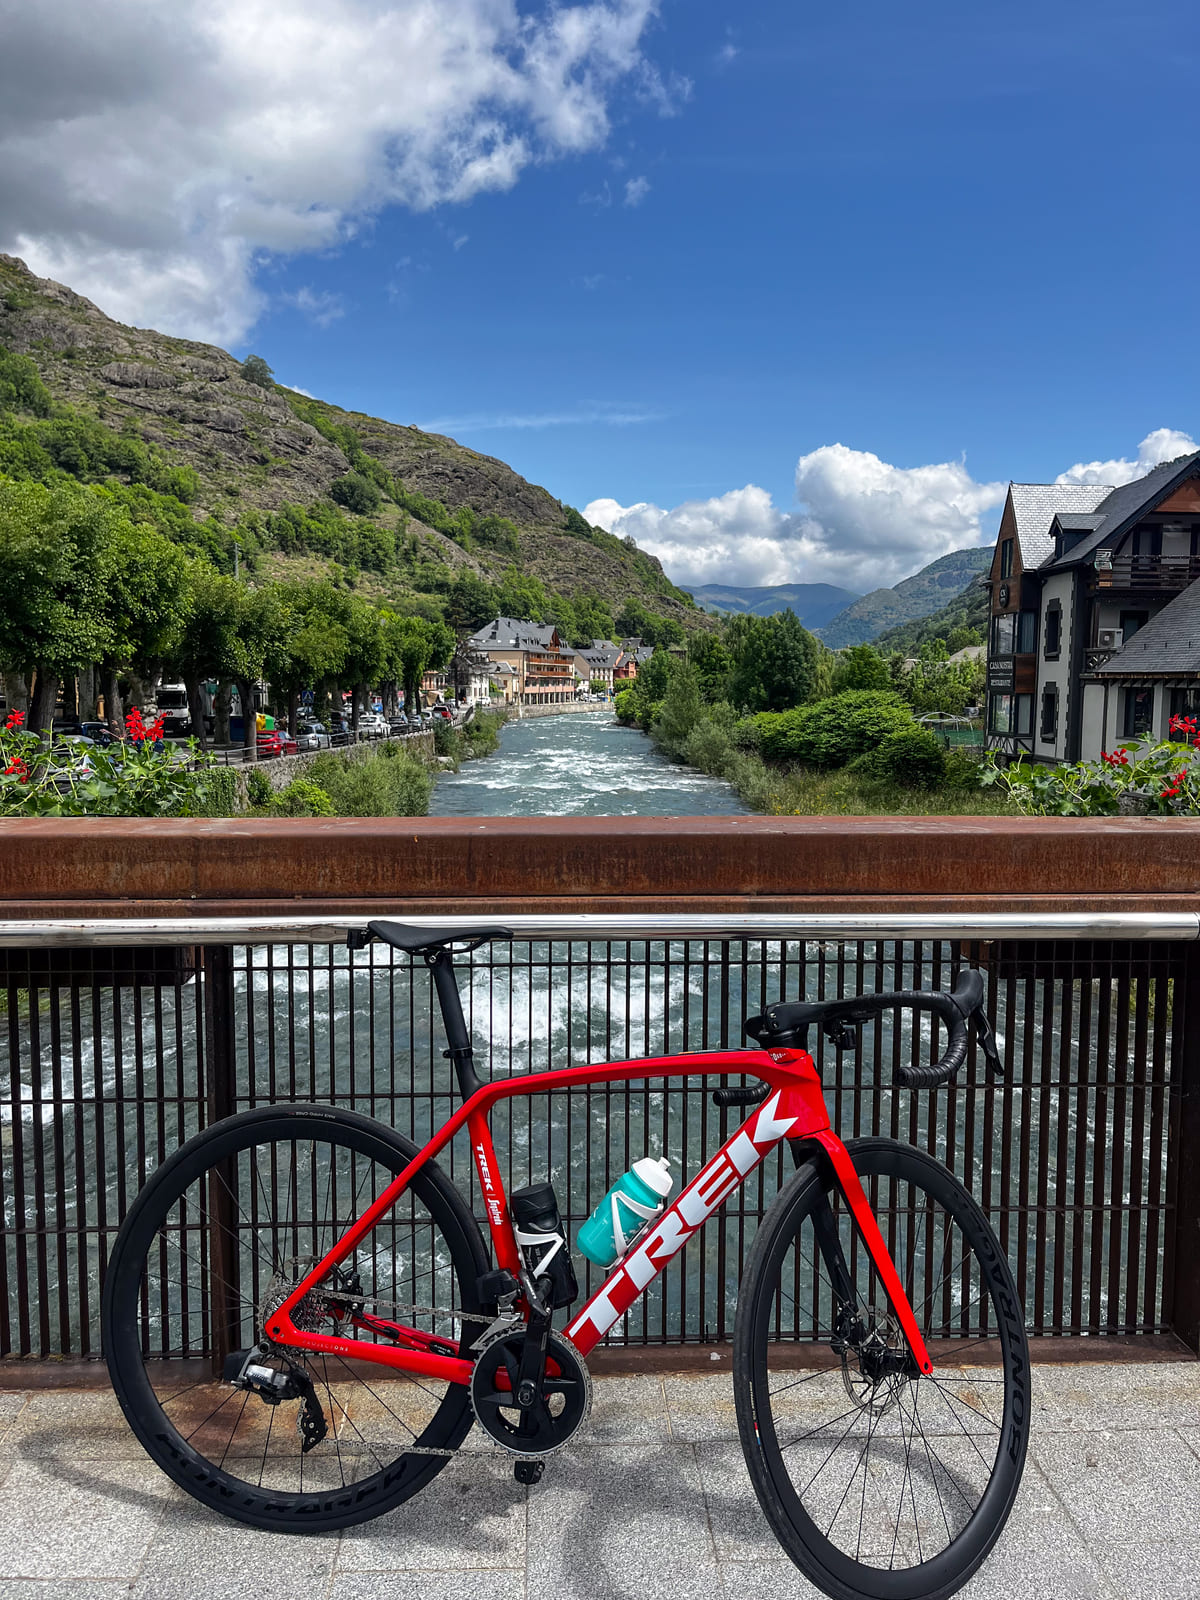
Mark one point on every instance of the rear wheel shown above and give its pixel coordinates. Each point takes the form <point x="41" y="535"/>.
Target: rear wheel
<point x="880" y="1481"/>
<point x="213" y="1244"/>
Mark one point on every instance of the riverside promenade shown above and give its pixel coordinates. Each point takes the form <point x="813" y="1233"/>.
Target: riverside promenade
<point x="651" y="1503"/>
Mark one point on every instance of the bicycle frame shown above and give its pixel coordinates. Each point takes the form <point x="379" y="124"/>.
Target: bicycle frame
<point x="794" y="1110"/>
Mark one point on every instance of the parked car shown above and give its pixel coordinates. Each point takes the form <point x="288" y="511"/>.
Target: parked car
<point x="415" y="720"/>
<point x="372" y="722"/>
<point x="312" y="736"/>
<point x="276" y="743"/>
<point x="99" y="733"/>
<point x="443" y="712"/>
<point x="398" y="724"/>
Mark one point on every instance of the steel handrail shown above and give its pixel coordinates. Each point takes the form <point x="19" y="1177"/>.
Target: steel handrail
<point x="1141" y="926"/>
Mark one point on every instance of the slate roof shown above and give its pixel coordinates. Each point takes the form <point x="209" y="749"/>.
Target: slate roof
<point x="507" y="633"/>
<point x="1077" y="521"/>
<point x="1125" y="505"/>
<point x="1168" y="645"/>
<point x="1036" y="504"/>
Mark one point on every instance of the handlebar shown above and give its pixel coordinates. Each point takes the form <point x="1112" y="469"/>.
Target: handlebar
<point x="961" y="1009"/>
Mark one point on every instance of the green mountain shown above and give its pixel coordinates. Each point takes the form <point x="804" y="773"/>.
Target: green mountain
<point x="925" y="592"/>
<point x="814" y="603"/>
<point x="967" y="610"/>
<point x="229" y="462"/>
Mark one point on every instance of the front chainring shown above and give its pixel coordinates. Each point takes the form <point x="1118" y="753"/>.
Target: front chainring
<point x="559" y="1410"/>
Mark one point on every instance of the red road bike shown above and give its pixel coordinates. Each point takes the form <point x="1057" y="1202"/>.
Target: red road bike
<point x="880" y="1357"/>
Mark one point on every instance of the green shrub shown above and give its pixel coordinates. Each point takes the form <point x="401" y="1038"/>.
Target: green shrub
<point x="912" y="758"/>
<point x="258" y="788"/>
<point x="357" y="493"/>
<point x="708" y="747"/>
<point x="832" y="732"/>
<point x="625" y="705"/>
<point x="391" y="784"/>
<point x="447" y="741"/>
<point x="302" y="798"/>
<point x="218" y="793"/>
<point x="963" y="769"/>
<point x="21" y="385"/>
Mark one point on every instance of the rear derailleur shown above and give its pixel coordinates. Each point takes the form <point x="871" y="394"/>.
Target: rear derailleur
<point x="273" y="1384"/>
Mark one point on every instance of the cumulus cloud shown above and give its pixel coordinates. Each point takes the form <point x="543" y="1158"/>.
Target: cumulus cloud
<point x="860" y="523"/>
<point x="152" y="155"/>
<point x="1164" y="444"/>
<point x="636" y="190"/>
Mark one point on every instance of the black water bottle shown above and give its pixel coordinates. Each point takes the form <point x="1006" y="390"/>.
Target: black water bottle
<point x="543" y="1240"/>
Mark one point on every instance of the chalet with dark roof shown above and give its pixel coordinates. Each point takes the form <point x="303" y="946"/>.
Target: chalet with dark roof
<point x="1093" y="613"/>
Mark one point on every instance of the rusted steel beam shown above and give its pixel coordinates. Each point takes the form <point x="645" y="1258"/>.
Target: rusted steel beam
<point x="139" y="867"/>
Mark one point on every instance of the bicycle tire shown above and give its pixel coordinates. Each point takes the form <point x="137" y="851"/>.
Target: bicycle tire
<point x="173" y="1268"/>
<point x="927" y="1513"/>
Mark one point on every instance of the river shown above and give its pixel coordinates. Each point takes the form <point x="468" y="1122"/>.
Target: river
<point x="579" y="764"/>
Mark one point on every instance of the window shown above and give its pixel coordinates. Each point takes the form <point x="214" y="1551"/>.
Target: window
<point x="1139" y="713"/>
<point x="1053" y="629"/>
<point x="1131" y="621"/>
<point x="1003" y="630"/>
<point x="1049" y="728"/>
<point x="1006" y="558"/>
<point x="1147" y="541"/>
<point x="1026" y="633"/>
<point x="1011" y="714"/>
<point x="1185" y="702"/>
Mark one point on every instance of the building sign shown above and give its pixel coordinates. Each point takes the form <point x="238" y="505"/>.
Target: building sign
<point x="1000" y="675"/>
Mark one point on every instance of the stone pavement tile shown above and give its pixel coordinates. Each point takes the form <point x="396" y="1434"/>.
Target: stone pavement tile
<point x="1103" y="1396"/>
<point x="701" y="1408"/>
<point x="477" y="1584"/>
<point x="80" y="1424"/>
<point x="739" y="1529"/>
<point x="11" y="1403"/>
<point x="776" y="1579"/>
<point x="1122" y="1486"/>
<point x="1166" y="1571"/>
<point x="627" y="1411"/>
<point x="65" y="1589"/>
<point x="84" y="1519"/>
<point x="622" y="1523"/>
<point x="1040" y="1555"/>
<point x="471" y="1516"/>
<point x="196" y="1551"/>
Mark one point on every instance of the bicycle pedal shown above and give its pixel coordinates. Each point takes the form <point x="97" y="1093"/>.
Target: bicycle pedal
<point x="528" y="1471"/>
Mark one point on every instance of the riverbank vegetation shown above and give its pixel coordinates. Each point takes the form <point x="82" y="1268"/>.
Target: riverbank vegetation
<point x="799" y="730"/>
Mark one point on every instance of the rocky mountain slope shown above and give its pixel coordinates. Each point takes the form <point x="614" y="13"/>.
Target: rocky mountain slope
<point x="256" y="448"/>
<point x="925" y="592"/>
<point x="814" y="603"/>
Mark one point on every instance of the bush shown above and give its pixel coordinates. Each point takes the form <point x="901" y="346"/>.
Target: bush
<point x="963" y="769"/>
<point x="834" y="731"/>
<point x="218" y="795"/>
<point x="389" y="784"/>
<point x="356" y="493"/>
<point x="302" y="798"/>
<point x="21" y="385"/>
<point x="255" y="370"/>
<point x="258" y="789"/>
<point x="909" y="757"/>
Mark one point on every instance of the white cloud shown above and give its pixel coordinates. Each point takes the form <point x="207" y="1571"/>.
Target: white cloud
<point x="862" y="524"/>
<point x="152" y="155"/>
<point x="318" y="305"/>
<point x="1164" y="444"/>
<point x="636" y="190"/>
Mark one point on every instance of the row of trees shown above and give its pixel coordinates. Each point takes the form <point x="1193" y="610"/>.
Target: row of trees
<point x="85" y="589"/>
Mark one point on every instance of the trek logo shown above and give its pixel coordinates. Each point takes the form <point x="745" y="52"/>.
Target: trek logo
<point x="485" y="1172"/>
<point x="712" y="1185"/>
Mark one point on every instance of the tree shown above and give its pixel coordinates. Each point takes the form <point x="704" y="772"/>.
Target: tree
<point x="712" y="662"/>
<point x="775" y="661"/>
<point x="682" y="707"/>
<point x="207" y="645"/>
<point x="56" y="563"/>
<point x="860" y="667"/>
<point x="357" y="493"/>
<point x="255" y="370"/>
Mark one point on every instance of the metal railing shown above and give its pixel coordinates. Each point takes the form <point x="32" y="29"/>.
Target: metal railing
<point x="120" y="1039"/>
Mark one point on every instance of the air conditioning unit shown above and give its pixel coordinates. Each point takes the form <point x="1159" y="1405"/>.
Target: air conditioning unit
<point x="1109" y="638"/>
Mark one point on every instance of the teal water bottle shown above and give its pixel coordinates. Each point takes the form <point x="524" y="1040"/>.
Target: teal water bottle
<point x="625" y="1210"/>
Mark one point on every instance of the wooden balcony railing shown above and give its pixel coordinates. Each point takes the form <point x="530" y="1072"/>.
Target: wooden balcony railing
<point x="1148" y="572"/>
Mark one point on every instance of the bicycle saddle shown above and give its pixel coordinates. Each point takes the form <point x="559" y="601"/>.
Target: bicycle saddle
<point x="404" y="936"/>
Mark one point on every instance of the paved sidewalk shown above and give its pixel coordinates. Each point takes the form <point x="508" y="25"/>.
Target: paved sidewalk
<point x="653" y="1503"/>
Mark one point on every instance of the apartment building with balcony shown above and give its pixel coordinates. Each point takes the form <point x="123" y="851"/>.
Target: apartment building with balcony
<point x="541" y="665"/>
<point x="1093" y="615"/>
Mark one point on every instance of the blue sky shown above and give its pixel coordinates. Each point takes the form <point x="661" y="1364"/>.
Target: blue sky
<point x="955" y="239"/>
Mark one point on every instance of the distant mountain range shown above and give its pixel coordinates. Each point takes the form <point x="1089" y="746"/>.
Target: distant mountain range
<point x="925" y="592"/>
<point x="814" y="603"/>
<point x="839" y="617"/>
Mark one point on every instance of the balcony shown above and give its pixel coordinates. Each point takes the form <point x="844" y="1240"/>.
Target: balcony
<point x="1139" y="573"/>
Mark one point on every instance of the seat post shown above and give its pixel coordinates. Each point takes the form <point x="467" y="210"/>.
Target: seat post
<point x="460" y="1052"/>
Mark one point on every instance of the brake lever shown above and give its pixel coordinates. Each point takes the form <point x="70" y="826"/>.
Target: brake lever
<point x="987" y="1042"/>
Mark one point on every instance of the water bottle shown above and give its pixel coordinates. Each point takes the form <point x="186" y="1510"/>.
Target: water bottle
<point x="543" y="1240"/>
<point x="625" y="1210"/>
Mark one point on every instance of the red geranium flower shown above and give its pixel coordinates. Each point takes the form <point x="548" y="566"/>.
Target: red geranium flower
<point x="16" y="768"/>
<point x="15" y="719"/>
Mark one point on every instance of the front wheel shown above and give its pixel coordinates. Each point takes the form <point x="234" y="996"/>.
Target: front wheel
<point x="881" y="1482"/>
<point x="213" y="1245"/>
